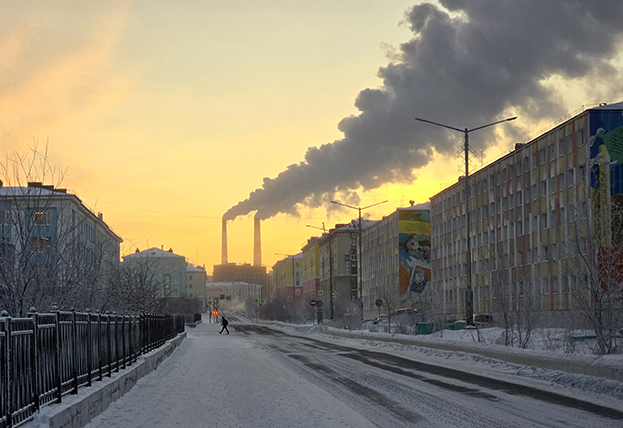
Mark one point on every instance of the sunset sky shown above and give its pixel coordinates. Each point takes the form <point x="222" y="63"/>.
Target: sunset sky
<point x="168" y="114"/>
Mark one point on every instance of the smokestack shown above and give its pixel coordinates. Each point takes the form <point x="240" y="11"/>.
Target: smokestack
<point x="257" y="244"/>
<point x="224" y="243"/>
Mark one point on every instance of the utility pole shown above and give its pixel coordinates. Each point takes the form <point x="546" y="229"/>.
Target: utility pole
<point x="469" y="293"/>
<point x="359" y="257"/>
<point x="324" y="230"/>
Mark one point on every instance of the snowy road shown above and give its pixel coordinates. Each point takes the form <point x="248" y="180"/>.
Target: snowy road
<point x="260" y="377"/>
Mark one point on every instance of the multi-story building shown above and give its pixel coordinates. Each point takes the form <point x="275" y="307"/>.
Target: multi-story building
<point x="287" y="278"/>
<point x="311" y="269"/>
<point x="396" y="261"/>
<point x="534" y="217"/>
<point x="163" y="269"/>
<point x="196" y="279"/>
<point x="46" y="228"/>
<point x="338" y="265"/>
<point x="232" y="272"/>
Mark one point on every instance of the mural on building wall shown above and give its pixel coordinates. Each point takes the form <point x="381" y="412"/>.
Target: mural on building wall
<point x="606" y="147"/>
<point x="414" y="254"/>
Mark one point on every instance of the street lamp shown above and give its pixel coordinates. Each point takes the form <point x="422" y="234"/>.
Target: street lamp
<point x="359" y="259"/>
<point x="469" y="295"/>
<point x="324" y="230"/>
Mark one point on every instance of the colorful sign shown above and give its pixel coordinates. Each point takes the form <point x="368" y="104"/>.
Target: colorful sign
<point x="414" y="254"/>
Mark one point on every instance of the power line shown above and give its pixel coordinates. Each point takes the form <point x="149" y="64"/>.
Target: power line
<point x="155" y="211"/>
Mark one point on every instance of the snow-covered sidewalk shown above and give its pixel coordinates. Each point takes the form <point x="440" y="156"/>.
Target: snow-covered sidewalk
<point x="223" y="381"/>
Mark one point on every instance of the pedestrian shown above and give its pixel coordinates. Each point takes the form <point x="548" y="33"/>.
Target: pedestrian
<point x="224" y="323"/>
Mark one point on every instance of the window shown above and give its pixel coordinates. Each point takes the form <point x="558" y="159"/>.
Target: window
<point x="166" y="266"/>
<point x="175" y="266"/>
<point x="4" y="217"/>
<point x="42" y="218"/>
<point x="175" y="280"/>
<point x="41" y="244"/>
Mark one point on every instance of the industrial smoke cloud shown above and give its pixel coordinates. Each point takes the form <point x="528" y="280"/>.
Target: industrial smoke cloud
<point x="469" y="63"/>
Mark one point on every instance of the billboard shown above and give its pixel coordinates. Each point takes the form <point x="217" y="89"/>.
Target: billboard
<point x="414" y="255"/>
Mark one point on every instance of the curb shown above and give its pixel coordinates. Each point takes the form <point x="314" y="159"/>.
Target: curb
<point x="592" y="365"/>
<point x="78" y="410"/>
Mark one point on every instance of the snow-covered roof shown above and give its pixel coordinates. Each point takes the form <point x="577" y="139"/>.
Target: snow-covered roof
<point x="193" y="268"/>
<point x="604" y="106"/>
<point x="152" y="252"/>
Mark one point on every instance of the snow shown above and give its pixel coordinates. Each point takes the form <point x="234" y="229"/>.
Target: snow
<point x="575" y="384"/>
<point x="226" y="381"/>
<point x="243" y="386"/>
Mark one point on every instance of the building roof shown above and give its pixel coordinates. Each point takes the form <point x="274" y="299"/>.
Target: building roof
<point x="604" y="106"/>
<point x="193" y="268"/>
<point x="37" y="190"/>
<point x="152" y="252"/>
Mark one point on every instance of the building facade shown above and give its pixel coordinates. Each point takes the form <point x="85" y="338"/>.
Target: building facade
<point x="47" y="230"/>
<point x="196" y="279"/>
<point x="232" y="272"/>
<point x="397" y="262"/>
<point x="338" y="266"/>
<point x="534" y="216"/>
<point x="287" y="279"/>
<point x="310" y="272"/>
<point x="164" y="269"/>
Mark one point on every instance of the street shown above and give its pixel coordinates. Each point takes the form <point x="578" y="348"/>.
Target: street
<point x="263" y="377"/>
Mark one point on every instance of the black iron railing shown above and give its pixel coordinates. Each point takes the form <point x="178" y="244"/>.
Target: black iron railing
<point x="46" y="356"/>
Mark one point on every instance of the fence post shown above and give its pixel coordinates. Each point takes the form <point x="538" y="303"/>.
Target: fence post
<point x="123" y="354"/>
<point x="109" y="346"/>
<point x="116" y="341"/>
<point x="6" y="403"/>
<point x="100" y="353"/>
<point x="74" y="346"/>
<point x="89" y="348"/>
<point x="57" y="354"/>
<point x="34" y="356"/>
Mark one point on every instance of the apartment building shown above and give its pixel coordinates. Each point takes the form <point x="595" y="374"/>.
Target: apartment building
<point x="397" y="261"/>
<point x="46" y="226"/>
<point x="163" y="269"/>
<point x="533" y="219"/>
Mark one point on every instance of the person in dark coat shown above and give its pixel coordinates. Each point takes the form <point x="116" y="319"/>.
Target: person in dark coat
<point x="224" y="323"/>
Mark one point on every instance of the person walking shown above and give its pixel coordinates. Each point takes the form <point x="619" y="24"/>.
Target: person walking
<point x="224" y="323"/>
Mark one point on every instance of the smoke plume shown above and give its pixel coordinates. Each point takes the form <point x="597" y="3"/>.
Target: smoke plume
<point x="468" y="64"/>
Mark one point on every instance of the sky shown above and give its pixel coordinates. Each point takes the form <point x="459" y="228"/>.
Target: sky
<point x="166" y="116"/>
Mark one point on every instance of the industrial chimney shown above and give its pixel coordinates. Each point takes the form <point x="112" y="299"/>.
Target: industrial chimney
<point x="257" y="244"/>
<point x="224" y="244"/>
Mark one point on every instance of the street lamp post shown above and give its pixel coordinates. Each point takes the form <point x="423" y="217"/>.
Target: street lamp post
<point x="324" y="230"/>
<point x="469" y="294"/>
<point x="359" y="258"/>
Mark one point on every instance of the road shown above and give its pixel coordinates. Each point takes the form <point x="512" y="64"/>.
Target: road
<point x="262" y="377"/>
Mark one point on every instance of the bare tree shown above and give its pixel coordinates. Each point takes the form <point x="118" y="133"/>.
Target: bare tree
<point x="597" y="276"/>
<point x="50" y="251"/>
<point x="390" y="296"/>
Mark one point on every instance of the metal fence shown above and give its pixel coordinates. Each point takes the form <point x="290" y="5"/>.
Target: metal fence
<point x="46" y="356"/>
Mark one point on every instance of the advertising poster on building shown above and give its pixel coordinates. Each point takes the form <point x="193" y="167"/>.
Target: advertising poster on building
<point x="606" y="154"/>
<point x="414" y="255"/>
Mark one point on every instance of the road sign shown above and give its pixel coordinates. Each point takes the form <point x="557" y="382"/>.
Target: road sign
<point x="312" y="302"/>
<point x="319" y="304"/>
<point x="320" y="292"/>
<point x="262" y="301"/>
<point x="257" y="301"/>
<point x="209" y="302"/>
<point x="378" y="303"/>
<point x="290" y="298"/>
